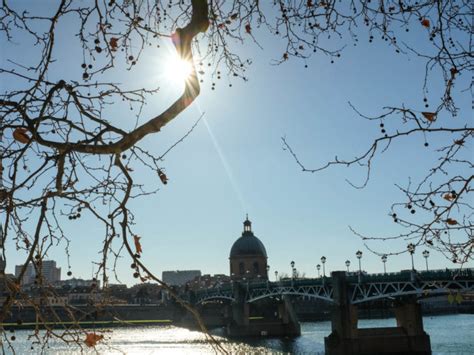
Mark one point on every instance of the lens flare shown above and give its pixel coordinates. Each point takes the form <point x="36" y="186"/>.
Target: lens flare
<point x="178" y="70"/>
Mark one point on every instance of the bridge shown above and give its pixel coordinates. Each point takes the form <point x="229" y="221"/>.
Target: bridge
<point x="363" y="287"/>
<point x="344" y="291"/>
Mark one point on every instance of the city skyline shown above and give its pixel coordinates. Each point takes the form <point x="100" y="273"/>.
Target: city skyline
<point x="421" y="260"/>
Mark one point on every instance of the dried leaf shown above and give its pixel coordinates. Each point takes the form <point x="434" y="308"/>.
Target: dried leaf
<point x="113" y="44"/>
<point x="248" y="29"/>
<point x="20" y="134"/>
<point x="138" y="246"/>
<point x="449" y="197"/>
<point x="425" y="23"/>
<point x="451" y="221"/>
<point x="92" y="339"/>
<point x="459" y="142"/>
<point x="430" y="116"/>
<point x="285" y="56"/>
<point x="163" y="177"/>
<point x="234" y="16"/>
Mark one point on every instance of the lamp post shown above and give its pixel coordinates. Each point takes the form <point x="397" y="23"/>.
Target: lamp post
<point x="292" y="273"/>
<point x="323" y="261"/>
<point x="359" y="256"/>
<point x="384" y="260"/>
<point x="411" y="250"/>
<point x="276" y="275"/>
<point x="318" y="267"/>
<point x="348" y="263"/>
<point x="426" y="254"/>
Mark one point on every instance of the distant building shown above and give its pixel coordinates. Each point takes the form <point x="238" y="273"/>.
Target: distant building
<point x="207" y="281"/>
<point x="248" y="257"/>
<point x="180" y="277"/>
<point x="48" y="271"/>
<point x="74" y="282"/>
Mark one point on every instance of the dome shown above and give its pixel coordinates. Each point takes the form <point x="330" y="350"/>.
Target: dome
<point x="248" y="244"/>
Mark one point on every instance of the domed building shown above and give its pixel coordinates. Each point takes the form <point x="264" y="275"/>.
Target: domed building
<point x="248" y="257"/>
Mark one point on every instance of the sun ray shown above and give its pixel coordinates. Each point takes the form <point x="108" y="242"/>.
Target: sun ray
<point x="177" y="70"/>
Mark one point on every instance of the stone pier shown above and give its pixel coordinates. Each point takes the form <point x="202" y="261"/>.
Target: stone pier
<point x="243" y="323"/>
<point x="408" y="337"/>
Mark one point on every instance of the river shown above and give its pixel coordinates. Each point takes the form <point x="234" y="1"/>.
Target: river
<point x="450" y="334"/>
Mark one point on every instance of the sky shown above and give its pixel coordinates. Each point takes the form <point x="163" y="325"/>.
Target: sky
<point x="233" y="163"/>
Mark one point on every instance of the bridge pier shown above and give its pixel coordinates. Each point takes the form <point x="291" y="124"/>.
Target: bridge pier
<point x="407" y="338"/>
<point x="284" y="321"/>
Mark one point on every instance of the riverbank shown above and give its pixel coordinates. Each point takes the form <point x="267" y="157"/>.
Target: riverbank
<point x="86" y="316"/>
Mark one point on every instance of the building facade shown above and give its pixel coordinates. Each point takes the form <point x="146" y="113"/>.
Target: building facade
<point x="48" y="271"/>
<point x="248" y="257"/>
<point x="179" y="277"/>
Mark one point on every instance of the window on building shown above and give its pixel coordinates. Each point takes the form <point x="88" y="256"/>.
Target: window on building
<point x="256" y="268"/>
<point x="241" y="268"/>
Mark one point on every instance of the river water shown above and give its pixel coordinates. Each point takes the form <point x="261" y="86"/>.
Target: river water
<point x="452" y="334"/>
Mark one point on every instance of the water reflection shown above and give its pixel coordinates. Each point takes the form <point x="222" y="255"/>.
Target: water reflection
<point x="449" y="334"/>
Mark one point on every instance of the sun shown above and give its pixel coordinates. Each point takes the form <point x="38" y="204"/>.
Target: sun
<point x="178" y="70"/>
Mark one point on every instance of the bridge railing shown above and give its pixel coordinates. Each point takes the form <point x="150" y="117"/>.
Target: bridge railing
<point x="351" y="277"/>
<point x="410" y="275"/>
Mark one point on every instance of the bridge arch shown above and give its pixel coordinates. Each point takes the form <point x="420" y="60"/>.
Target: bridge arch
<point x="289" y="293"/>
<point x="214" y="298"/>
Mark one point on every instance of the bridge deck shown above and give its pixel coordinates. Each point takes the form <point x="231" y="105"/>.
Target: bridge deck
<point x="363" y="287"/>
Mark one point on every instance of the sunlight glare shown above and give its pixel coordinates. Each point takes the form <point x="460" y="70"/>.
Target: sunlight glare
<point x="178" y="70"/>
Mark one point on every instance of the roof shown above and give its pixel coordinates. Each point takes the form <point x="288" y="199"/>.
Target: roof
<point x="248" y="245"/>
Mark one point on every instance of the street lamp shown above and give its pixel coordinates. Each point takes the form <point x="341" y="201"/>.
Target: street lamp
<point x="318" y="267"/>
<point x="268" y="270"/>
<point x="323" y="260"/>
<point x="359" y="256"/>
<point x="348" y="263"/>
<point x="276" y="275"/>
<point x="384" y="260"/>
<point x="426" y="254"/>
<point x="292" y="269"/>
<point x="411" y="250"/>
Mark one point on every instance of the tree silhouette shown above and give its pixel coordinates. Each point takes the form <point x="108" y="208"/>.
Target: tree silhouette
<point x="63" y="153"/>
